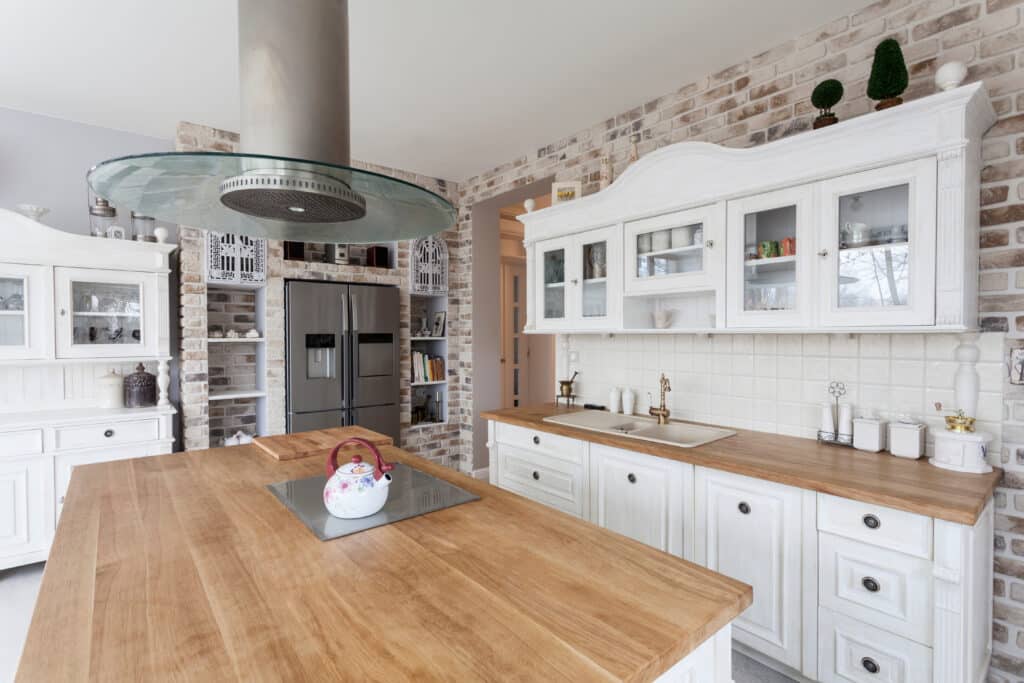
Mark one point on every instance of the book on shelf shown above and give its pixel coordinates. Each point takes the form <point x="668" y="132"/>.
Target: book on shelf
<point x="427" y="368"/>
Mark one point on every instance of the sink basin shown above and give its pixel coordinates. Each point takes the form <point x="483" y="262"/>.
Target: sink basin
<point x="683" y="434"/>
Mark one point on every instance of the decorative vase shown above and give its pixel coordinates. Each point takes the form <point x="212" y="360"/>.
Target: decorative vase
<point x="950" y="75"/>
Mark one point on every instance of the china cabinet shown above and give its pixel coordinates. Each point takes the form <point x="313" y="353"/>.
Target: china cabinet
<point x="868" y="225"/>
<point x="578" y="280"/>
<point x="72" y="308"/>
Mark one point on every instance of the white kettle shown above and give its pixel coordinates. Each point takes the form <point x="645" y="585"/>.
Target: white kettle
<point x="356" y="488"/>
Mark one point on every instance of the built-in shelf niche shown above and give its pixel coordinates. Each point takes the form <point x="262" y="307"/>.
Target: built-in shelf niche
<point x="670" y="312"/>
<point x="429" y="394"/>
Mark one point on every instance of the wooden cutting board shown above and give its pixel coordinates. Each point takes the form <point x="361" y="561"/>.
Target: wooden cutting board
<point x="319" y="442"/>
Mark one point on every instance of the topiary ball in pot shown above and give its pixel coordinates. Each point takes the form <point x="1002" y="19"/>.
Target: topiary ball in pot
<point x="889" y="77"/>
<point x="825" y="96"/>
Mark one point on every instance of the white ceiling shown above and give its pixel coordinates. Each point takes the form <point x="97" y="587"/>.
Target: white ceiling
<point x="448" y="88"/>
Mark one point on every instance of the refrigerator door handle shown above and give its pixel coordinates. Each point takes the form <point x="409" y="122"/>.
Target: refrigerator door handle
<point x="355" y="312"/>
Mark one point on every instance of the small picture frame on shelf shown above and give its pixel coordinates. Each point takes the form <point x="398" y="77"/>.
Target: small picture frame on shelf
<point x="566" y="191"/>
<point x="440" y="318"/>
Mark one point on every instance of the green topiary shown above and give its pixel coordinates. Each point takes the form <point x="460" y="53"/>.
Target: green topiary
<point x="889" y="77"/>
<point x="825" y="96"/>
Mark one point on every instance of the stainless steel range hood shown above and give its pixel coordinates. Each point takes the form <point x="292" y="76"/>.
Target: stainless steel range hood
<point x="292" y="180"/>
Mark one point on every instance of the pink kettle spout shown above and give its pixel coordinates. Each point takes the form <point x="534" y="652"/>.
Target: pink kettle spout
<point x="380" y="468"/>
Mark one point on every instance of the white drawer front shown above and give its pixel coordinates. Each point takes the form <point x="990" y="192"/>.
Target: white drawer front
<point x="21" y="442"/>
<point x="65" y="463"/>
<point x="542" y="478"/>
<point x="535" y="440"/>
<point x="107" y="434"/>
<point x="851" y="651"/>
<point x="876" y="524"/>
<point x="881" y="587"/>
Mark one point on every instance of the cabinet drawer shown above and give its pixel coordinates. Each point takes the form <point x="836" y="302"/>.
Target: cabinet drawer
<point x="106" y="434"/>
<point x="65" y="463"/>
<point x="881" y="587"/>
<point x="21" y="442"/>
<point x="542" y="478"/>
<point x="876" y="525"/>
<point x="849" y="650"/>
<point x="539" y="441"/>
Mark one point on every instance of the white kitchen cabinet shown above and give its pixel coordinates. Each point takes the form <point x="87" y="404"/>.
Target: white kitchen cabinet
<point x="750" y="530"/>
<point x="64" y="464"/>
<point x="26" y="312"/>
<point x="681" y="251"/>
<point x="769" y="259"/>
<point x="26" y="512"/>
<point x="580" y="281"/>
<point x="642" y="496"/>
<point x="877" y="247"/>
<point x="108" y="313"/>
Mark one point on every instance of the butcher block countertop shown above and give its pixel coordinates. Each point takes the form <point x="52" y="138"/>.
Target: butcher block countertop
<point x="186" y="567"/>
<point x="879" y="478"/>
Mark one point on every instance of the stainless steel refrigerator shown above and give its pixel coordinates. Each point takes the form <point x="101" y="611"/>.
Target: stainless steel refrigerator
<point x="342" y="356"/>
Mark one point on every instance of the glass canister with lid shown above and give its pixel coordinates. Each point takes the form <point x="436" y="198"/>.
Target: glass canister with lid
<point x="143" y="227"/>
<point x="101" y="217"/>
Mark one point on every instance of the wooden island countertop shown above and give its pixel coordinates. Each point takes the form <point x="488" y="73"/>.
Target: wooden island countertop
<point x="186" y="567"/>
<point x="879" y="478"/>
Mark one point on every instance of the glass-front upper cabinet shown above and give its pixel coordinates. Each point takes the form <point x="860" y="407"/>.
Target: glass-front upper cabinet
<point x="877" y="253"/>
<point x="675" y="252"/>
<point x="25" y="312"/>
<point x="769" y="259"/>
<point x="104" y="313"/>
<point x="579" y="280"/>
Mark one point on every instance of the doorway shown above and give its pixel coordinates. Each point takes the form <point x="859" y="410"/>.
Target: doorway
<point x="527" y="360"/>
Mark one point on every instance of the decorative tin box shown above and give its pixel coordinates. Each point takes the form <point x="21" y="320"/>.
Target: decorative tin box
<point x="140" y="388"/>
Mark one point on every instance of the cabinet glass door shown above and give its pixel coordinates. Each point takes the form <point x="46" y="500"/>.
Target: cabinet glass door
<point x="879" y="246"/>
<point x="673" y="252"/>
<point x="26" y="325"/>
<point x="106" y="313"/>
<point x="594" y="285"/>
<point x="769" y="259"/>
<point x="594" y="274"/>
<point x="553" y="282"/>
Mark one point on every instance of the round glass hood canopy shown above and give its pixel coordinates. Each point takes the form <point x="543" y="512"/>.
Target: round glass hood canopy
<point x="274" y="197"/>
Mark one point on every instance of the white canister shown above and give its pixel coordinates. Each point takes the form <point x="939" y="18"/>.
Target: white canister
<point x="827" y="428"/>
<point x="962" y="452"/>
<point x="615" y="400"/>
<point x="628" y="401"/>
<point x="845" y="431"/>
<point x="869" y="434"/>
<point x="661" y="240"/>
<point x="906" y="439"/>
<point x="682" y="237"/>
<point x="110" y="390"/>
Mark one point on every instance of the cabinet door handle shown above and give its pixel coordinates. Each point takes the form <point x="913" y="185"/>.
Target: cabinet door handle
<point x="823" y="253"/>
<point x="109" y="433"/>
<point x="631" y="477"/>
<point x="536" y="441"/>
<point x="710" y="244"/>
<point x="870" y="665"/>
<point x="870" y="584"/>
<point x="536" y="475"/>
<point x="744" y="508"/>
<point x="872" y="522"/>
<point x="575" y="281"/>
<point x="63" y="311"/>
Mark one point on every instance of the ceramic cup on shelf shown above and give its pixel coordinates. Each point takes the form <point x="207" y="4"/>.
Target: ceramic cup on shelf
<point x="643" y="243"/>
<point x="682" y="237"/>
<point x="661" y="240"/>
<point x="662" y="319"/>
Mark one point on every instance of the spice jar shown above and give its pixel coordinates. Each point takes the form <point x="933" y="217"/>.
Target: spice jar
<point x="101" y="217"/>
<point x="144" y="227"/>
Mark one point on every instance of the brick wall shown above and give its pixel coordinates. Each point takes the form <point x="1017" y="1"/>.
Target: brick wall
<point x="765" y="97"/>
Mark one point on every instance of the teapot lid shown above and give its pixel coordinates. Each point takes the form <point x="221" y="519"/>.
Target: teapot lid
<point x="355" y="468"/>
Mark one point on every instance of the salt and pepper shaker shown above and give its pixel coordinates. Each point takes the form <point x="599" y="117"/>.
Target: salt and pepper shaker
<point x="827" y="430"/>
<point x="628" y="401"/>
<point x="845" y="432"/>
<point x="615" y="400"/>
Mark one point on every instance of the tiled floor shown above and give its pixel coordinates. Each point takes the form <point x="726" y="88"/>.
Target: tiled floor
<point x="18" y="590"/>
<point x="19" y="587"/>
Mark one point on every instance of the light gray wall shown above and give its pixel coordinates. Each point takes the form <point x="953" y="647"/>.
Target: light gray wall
<point x="486" y="245"/>
<point x="44" y="160"/>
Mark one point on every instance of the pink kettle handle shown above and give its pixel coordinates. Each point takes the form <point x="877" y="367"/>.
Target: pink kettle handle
<point x="378" y="471"/>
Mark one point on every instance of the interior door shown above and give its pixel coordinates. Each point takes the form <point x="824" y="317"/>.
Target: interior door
<point x="770" y="257"/>
<point x="750" y="531"/>
<point x="878" y="235"/>
<point x="514" y="344"/>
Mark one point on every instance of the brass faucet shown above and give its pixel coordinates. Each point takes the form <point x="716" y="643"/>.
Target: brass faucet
<point x="662" y="412"/>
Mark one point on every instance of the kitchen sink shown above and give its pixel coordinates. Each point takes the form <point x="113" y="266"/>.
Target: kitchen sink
<point x="684" y="434"/>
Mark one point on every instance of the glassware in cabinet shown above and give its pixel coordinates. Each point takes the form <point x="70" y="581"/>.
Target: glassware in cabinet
<point x="106" y="313"/>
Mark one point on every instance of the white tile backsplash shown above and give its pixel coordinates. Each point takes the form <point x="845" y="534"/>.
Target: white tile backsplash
<point x="776" y="383"/>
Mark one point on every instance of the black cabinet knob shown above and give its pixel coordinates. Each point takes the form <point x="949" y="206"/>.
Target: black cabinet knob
<point x="872" y="522"/>
<point x="109" y="433"/>
<point x="744" y="508"/>
<point x="631" y="477"/>
<point x="870" y="665"/>
<point x="536" y="474"/>
<point x="870" y="584"/>
<point x="536" y="440"/>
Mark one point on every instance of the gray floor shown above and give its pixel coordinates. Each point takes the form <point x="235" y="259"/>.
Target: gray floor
<point x="19" y="587"/>
<point x="18" y="590"/>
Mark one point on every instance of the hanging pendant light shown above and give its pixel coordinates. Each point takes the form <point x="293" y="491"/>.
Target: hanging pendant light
<point x="292" y="180"/>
